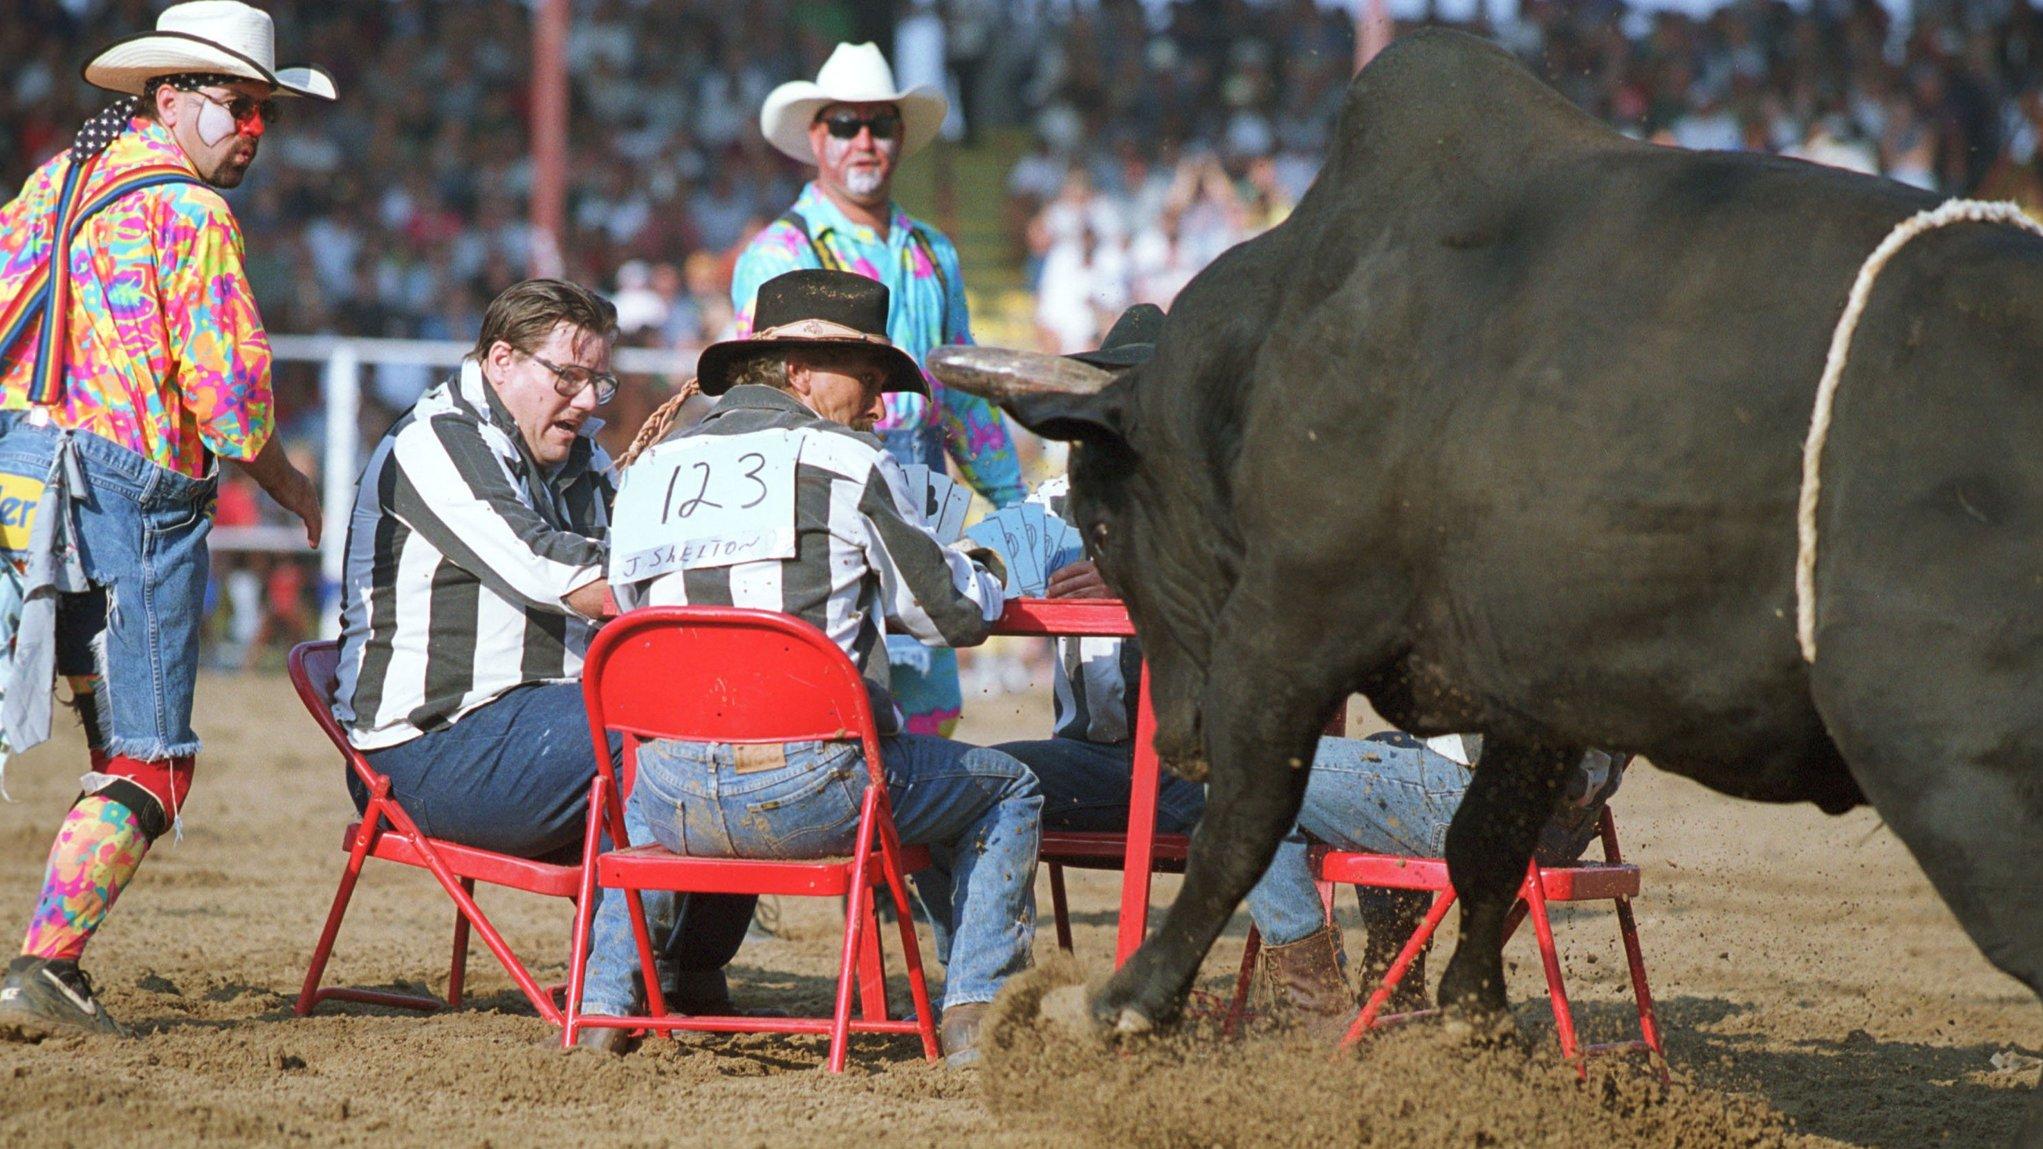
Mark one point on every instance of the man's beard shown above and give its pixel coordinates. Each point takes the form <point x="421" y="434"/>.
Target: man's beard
<point x="227" y="173"/>
<point x="862" y="181"/>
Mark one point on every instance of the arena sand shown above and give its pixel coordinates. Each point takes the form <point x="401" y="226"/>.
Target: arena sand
<point x="1812" y="989"/>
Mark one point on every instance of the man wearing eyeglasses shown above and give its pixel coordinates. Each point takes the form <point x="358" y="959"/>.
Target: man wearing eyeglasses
<point x="855" y="125"/>
<point x="473" y="581"/>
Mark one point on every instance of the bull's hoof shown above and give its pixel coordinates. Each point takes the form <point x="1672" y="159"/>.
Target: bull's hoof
<point x="1131" y="1023"/>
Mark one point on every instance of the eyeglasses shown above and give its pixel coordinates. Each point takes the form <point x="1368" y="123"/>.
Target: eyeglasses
<point x="574" y="379"/>
<point x="846" y="125"/>
<point x="245" y="109"/>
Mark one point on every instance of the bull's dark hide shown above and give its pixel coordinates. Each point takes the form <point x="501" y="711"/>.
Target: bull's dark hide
<point x="1503" y="427"/>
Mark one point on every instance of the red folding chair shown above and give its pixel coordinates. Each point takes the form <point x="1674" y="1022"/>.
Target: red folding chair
<point x="385" y="831"/>
<point x="723" y="674"/>
<point x="1098" y="850"/>
<point x="1107" y="850"/>
<point x="1610" y="880"/>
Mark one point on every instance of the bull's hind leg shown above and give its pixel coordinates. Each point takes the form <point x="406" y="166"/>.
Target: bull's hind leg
<point x="1261" y="716"/>
<point x="1489" y="843"/>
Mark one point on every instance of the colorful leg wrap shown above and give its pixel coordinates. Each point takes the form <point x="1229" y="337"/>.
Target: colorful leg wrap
<point x="104" y="837"/>
<point x="155" y="791"/>
<point x="97" y="851"/>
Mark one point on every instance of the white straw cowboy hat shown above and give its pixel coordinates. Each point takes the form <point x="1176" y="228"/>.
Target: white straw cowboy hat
<point x="222" y="36"/>
<point x="854" y="74"/>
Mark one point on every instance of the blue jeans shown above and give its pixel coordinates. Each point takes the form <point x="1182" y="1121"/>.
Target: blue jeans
<point x="1085" y="788"/>
<point x="513" y="776"/>
<point x="136" y="540"/>
<point x="1389" y="794"/>
<point x="977" y="810"/>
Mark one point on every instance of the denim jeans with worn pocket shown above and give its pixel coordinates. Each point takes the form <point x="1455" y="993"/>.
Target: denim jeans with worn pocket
<point x="140" y="536"/>
<point x="977" y="810"/>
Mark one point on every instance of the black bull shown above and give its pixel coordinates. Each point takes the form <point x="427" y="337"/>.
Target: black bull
<point x="1503" y="429"/>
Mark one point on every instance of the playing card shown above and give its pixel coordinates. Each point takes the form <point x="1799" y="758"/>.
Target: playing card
<point x="937" y="498"/>
<point x="1033" y="518"/>
<point x="956" y="503"/>
<point x="1026" y="557"/>
<point x="918" y="486"/>
<point x="1064" y="547"/>
<point x="987" y="533"/>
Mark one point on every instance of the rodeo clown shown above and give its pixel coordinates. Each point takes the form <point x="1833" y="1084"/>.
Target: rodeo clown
<point x="833" y="538"/>
<point x="855" y="126"/>
<point x="133" y="358"/>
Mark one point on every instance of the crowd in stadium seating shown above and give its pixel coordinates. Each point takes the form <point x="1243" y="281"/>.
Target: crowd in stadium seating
<point x="1155" y="153"/>
<point x="1164" y="132"/>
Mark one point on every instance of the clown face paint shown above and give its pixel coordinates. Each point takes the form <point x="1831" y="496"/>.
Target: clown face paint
<point x="859" y="169"/>
<point x="215" y="123"/>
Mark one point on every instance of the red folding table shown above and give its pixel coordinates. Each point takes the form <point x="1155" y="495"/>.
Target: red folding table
<point x="1108" y="618"/>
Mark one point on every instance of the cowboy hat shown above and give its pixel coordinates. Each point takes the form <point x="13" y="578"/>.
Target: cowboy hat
<point x="1129" y="342"/>
<point x="814" y="308"/>
<point x="220" y="36"/>
<point x="854" y="74"/>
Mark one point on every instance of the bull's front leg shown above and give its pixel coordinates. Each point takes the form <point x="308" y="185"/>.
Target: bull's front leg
<point x="1489" y="843"/>
<point x="1261" y="723"/>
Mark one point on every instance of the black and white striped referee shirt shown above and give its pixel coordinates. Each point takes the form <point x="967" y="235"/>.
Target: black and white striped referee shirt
<point x="864" y="566"/>
<point x="461" y="551"/>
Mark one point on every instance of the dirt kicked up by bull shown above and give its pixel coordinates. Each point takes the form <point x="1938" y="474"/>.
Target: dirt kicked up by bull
<point x="1504" y="428"/>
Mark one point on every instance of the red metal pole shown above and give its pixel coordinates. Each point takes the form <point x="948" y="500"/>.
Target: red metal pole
<point x="1373" y="31"/>
<point x="549" y="136"/>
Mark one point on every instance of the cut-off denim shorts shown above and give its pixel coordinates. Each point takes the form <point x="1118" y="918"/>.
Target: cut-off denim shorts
<point x="140" y="532"/>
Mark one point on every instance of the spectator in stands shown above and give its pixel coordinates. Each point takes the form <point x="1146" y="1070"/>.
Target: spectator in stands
<point x="854" y="124"/>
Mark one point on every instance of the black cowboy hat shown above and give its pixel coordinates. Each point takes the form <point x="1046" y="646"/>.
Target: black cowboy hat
<point x="1131" y="340"/>
<point x="813" y="308"/>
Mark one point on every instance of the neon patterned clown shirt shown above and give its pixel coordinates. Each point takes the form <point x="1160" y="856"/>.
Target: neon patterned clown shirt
<point x="167" y="354"/>
<point x="927" y="310"/>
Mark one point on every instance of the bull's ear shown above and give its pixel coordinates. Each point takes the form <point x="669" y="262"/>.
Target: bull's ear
<point x="1100" y="419"/>
<point x="1055" y="397"/>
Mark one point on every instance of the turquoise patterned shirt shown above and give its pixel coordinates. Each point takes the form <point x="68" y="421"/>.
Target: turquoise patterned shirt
<point x="928" y="310"/>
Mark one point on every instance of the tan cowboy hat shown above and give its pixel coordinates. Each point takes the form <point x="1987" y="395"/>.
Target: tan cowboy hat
<point x="223" y="36"/>
<point x="854" y="74"/>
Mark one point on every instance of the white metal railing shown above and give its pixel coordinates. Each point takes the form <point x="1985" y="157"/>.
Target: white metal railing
<point x="344" y="357"/>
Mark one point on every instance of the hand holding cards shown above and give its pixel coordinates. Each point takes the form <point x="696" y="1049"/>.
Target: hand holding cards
<point x="1031" y="541"/>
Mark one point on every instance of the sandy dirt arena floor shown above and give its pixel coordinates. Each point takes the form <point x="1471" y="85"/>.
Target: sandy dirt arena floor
<point x="1812" y="991"/>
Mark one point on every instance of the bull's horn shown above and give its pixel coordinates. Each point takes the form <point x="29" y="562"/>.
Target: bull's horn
<point x="1000" y="374"/>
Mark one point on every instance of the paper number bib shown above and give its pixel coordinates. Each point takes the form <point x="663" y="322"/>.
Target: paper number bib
<point x="705" y="501"/>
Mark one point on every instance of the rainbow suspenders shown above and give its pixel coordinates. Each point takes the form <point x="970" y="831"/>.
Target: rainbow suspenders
<point x="45" y="297"/>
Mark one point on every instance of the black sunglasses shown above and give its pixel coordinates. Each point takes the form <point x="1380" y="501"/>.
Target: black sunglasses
<point x="244" y="109"/>
<point x="846" y="125"/>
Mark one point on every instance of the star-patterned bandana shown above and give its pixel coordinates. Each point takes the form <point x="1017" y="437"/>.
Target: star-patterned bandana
<point x="102" y="129"/>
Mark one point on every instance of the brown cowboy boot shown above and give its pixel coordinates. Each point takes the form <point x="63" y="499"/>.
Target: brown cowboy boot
<point x="959" y="1031"/>
<point x="1306" y="986"/>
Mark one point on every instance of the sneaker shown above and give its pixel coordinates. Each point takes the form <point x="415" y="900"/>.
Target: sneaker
<point x="42" y="998"/>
